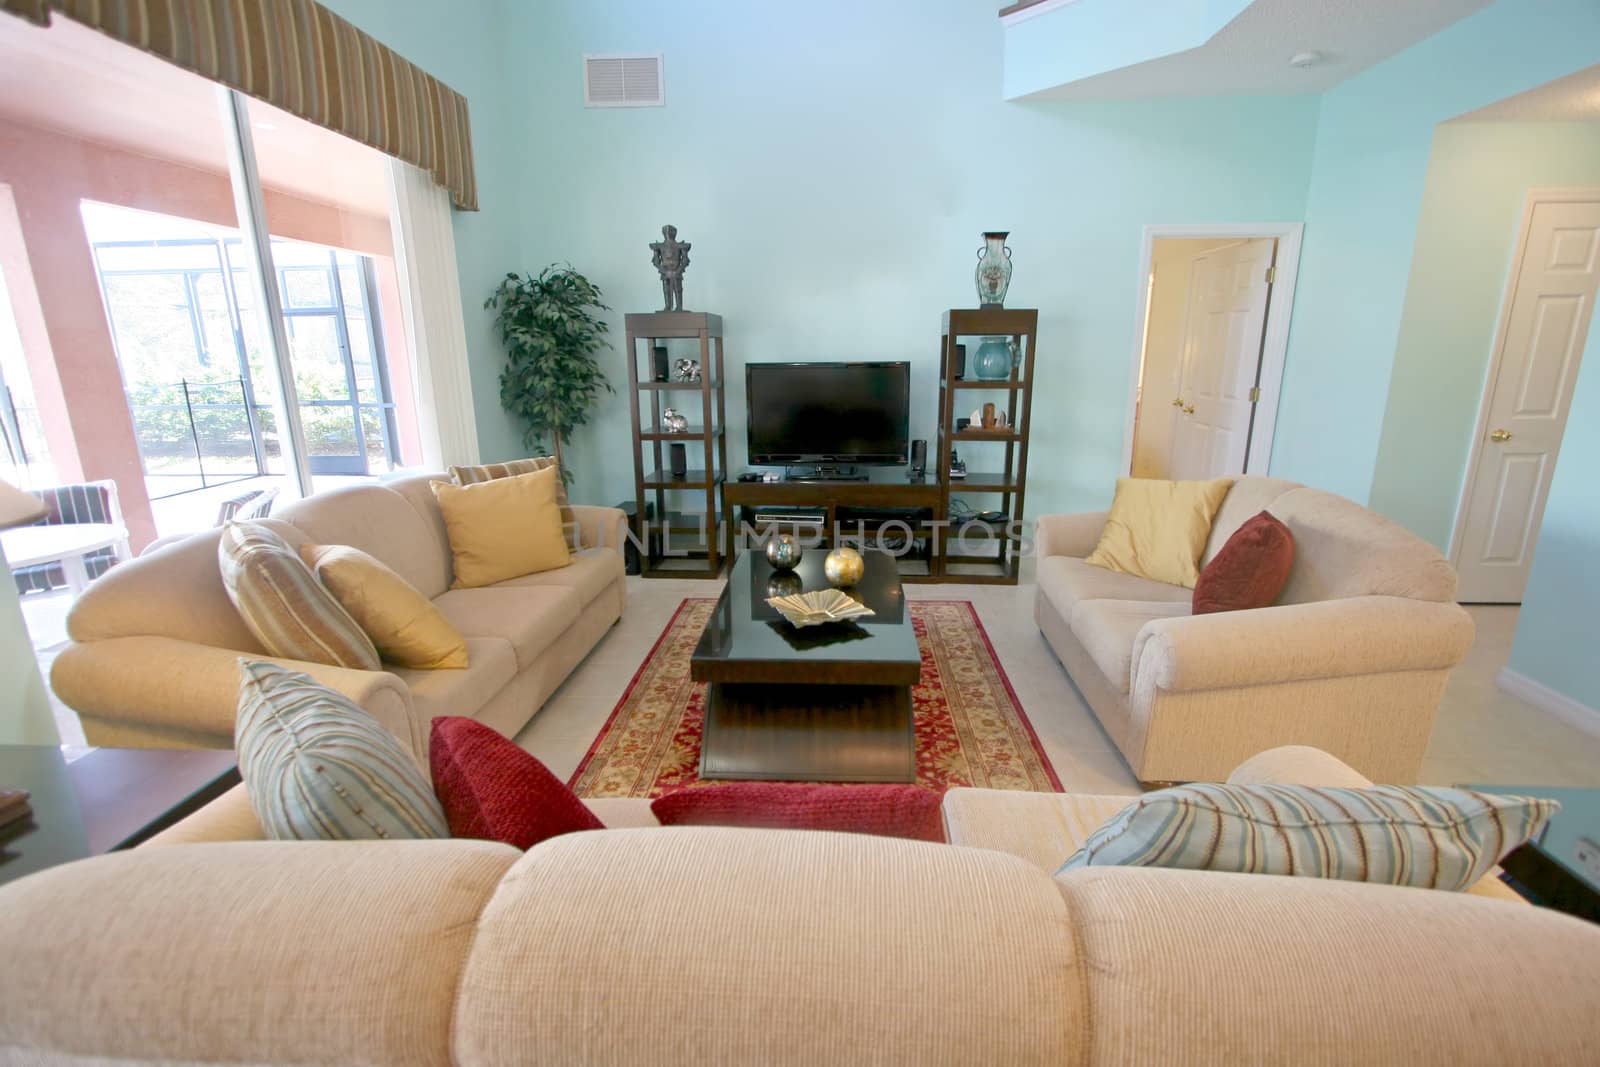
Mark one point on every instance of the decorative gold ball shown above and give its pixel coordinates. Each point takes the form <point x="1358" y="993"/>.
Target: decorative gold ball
<point x="844" y="566"/>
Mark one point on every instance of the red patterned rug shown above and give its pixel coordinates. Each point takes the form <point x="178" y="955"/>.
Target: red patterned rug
<point x="970" y="728"/>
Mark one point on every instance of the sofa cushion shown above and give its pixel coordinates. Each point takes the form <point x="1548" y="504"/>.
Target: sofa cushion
<point x="491" y="664"/>
<point x="503" y="528"/>
<point x="1345" y="550"/>
<point x="284" y="605"/>
<point x="1157" y="528"/>
<point x="1065" y="580"/>
<point x="319" y="768"/>
<point x="494" y="791"/>
<point x="488" y="472"/>
<point x="1107" y="630"/>
<point x="885" y="810"/>
<point x="380" y="522"/>
<point x="591" y="572"/>
<point x="1424" y="837"/>
<point x="1039" y="827"/>
<point x="1251" y="569"/>
<point x="530" y="617"/>
<point x="1249" y="496"/>
<point x="404" y="625"/>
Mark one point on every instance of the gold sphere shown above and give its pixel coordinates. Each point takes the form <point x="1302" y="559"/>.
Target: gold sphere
<point x="844" y="566"/>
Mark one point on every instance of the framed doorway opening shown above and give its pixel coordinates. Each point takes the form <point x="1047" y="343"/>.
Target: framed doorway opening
<point x="1243" y="425"/>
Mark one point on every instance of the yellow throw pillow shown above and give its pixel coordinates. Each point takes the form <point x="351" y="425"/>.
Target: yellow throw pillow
<point x="404" y="625"/>
<point x="1158" y="529"/>
<point x="503" y="528"/>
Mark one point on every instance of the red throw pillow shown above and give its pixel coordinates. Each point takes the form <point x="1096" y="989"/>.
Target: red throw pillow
<point x="494" y="791"/>
<point x="1250" y="570"/>
<point x="886" y="810"/>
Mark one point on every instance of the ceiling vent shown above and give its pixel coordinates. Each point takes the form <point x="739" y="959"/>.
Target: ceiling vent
<point x="623" y="80"/>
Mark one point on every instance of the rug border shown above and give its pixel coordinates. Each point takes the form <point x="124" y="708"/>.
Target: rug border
<point x="972" y="610"/>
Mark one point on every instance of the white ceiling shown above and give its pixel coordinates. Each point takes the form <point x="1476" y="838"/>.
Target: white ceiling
<point x="1575" y="98"/>
<point x="75" y="80"/>
<point x="1251" y="54"/>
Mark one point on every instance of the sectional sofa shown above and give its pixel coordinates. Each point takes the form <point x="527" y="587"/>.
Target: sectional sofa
<point x="156" y="641"/>
<point x="1352" y="659"/>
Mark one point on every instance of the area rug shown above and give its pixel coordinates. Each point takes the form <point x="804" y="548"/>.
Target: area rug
<point x="970" y="728"/>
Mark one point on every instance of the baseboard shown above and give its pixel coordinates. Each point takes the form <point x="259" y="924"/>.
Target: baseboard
<point x="1548" y="700"/>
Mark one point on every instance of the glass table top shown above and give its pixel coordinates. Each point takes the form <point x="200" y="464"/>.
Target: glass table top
<point x="745" y="628"/>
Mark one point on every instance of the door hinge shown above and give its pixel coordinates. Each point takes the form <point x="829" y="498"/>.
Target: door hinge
<point x="1255" y="396"/>
<point x="1272" y="275"/>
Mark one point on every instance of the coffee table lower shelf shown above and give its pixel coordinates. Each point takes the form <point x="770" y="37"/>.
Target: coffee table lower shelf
<point x="808" y="733"/>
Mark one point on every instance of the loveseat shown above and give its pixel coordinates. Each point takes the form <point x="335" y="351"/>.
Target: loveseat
<point x="698" y="945"/>
<point x="155" y="642"/>
<point x="1353" y="657"/>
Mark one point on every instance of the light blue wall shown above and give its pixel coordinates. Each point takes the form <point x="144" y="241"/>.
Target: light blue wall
<point x="1478" y="180"/>
<point x="464" y="45"/>
<point x="1373" y="140"/>
<point x="833" y="164"/>
<point x="1556" y="632"/>
<point x="1090" y="37"/>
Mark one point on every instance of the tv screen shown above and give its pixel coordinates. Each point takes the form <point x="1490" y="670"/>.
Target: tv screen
<point x="828" y="412"/>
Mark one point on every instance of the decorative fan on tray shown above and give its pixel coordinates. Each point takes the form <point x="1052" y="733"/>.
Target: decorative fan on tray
<point x="823" y="605"/>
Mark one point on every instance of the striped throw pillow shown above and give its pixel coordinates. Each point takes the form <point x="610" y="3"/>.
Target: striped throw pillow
<point x="319" y="768"/>
<point x="283" y="604"/>
<point x="488" y="472"/>
<point x="1395" y="835"/>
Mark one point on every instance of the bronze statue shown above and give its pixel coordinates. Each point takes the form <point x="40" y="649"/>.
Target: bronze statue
<point x="671" y="257"/>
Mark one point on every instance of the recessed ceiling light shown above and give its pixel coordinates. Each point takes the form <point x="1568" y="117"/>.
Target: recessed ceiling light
<point x="1305" y="59"/>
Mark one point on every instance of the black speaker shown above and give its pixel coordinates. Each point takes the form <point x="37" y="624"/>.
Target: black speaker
<point x="660" y="364"/>
<point x="919" y="458"/>
<point x="680" y="460"/>
<point x="961" y="362"/>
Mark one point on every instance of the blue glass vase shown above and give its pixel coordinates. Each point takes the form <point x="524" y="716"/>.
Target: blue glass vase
<point x="993" y="360"/>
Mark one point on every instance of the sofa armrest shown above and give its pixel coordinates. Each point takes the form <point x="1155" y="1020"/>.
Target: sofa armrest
<point x="600" y="527"/>
<point x="1298" y="765"/>
<point x="167" y="682"/>
<point x="1300" y="642"/>
<point x="1069" y="535"/>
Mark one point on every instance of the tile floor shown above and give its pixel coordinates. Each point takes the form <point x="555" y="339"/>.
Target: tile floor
<point x="1483" y="734"/>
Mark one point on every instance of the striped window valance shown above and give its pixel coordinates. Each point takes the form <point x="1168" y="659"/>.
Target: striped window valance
<point x="301" y="57"/>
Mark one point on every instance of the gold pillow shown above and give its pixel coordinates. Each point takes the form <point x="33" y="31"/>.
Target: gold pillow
<point x="485" y="472"/>
<point x="1158" y="529"/>
<point x="503" y="528"/>
<point x="404" y="625"/>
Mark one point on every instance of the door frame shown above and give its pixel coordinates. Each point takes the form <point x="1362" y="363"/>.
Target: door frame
<point x="1275" y="332"/>
<point x="1565" y="194"/>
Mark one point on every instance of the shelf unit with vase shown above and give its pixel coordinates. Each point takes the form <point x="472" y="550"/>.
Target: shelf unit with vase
<point x="987" y="554"/>
<point x="686" y="535"/>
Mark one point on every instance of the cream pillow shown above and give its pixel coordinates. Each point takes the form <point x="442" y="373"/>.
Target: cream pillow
<point x="404" y="625"/>
<point x="503" y="528"/>
<point x="1158" y="529"/>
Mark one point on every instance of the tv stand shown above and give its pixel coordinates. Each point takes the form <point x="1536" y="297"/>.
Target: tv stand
<point x="825" y="472"/>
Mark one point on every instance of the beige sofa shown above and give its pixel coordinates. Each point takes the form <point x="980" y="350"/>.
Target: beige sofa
<point x="1353" y="658"/>
<point x="155" y="642"/>
<point x="716" y="946"/>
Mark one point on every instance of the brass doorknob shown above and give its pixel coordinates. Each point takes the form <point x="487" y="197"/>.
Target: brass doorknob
<point x="1188" y="409"/>
<point x="1500" y="436"/>
<point x="1177" y="403"/>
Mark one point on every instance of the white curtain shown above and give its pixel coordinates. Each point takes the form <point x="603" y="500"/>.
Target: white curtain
<point x="430" y="294"/>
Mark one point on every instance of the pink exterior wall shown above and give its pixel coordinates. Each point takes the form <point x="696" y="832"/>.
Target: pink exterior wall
<point x="66" y="337"/>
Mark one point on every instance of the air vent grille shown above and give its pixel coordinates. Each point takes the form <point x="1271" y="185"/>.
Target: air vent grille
<point x="622" y="81"/>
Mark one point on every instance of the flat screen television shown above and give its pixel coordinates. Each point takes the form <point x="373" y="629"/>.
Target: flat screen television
<point x="850" y="413"/>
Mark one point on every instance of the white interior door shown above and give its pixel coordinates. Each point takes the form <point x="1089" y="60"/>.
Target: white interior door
<point x="1544" y="327"/>
<point x="1228" y="292"/>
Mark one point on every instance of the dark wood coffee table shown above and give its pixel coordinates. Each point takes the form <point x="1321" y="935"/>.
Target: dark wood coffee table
<point x="829" y="703"/>
<point x="108" y="799"/>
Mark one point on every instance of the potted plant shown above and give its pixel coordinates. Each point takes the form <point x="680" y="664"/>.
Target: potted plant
<point x="551" y="332"/>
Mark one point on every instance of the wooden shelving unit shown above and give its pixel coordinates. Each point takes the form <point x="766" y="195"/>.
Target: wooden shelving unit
<point x="686" y="534"/>
<point x="952" y="563"/>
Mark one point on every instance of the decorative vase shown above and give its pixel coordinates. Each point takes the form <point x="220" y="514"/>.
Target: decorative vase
<point x="994" y="269"/>
<point x="784" y="551"/>
<point x="994" y="359"/>
<point x="844" y="566"/>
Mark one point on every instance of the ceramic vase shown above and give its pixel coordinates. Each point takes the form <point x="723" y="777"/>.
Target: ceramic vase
<point x="994" y="269"/>
<point x="994" y="359"/>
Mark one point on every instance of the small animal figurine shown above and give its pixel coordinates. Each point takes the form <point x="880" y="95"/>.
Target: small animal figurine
<point x="674" y="421"/>
<point x="686" y="370"/>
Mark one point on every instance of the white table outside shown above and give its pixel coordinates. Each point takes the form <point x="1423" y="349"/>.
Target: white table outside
<point x="67" y="544"/>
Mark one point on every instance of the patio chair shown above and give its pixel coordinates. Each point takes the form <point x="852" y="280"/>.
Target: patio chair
<point x="254" y="504"/>
<point x="69" y="504"/>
